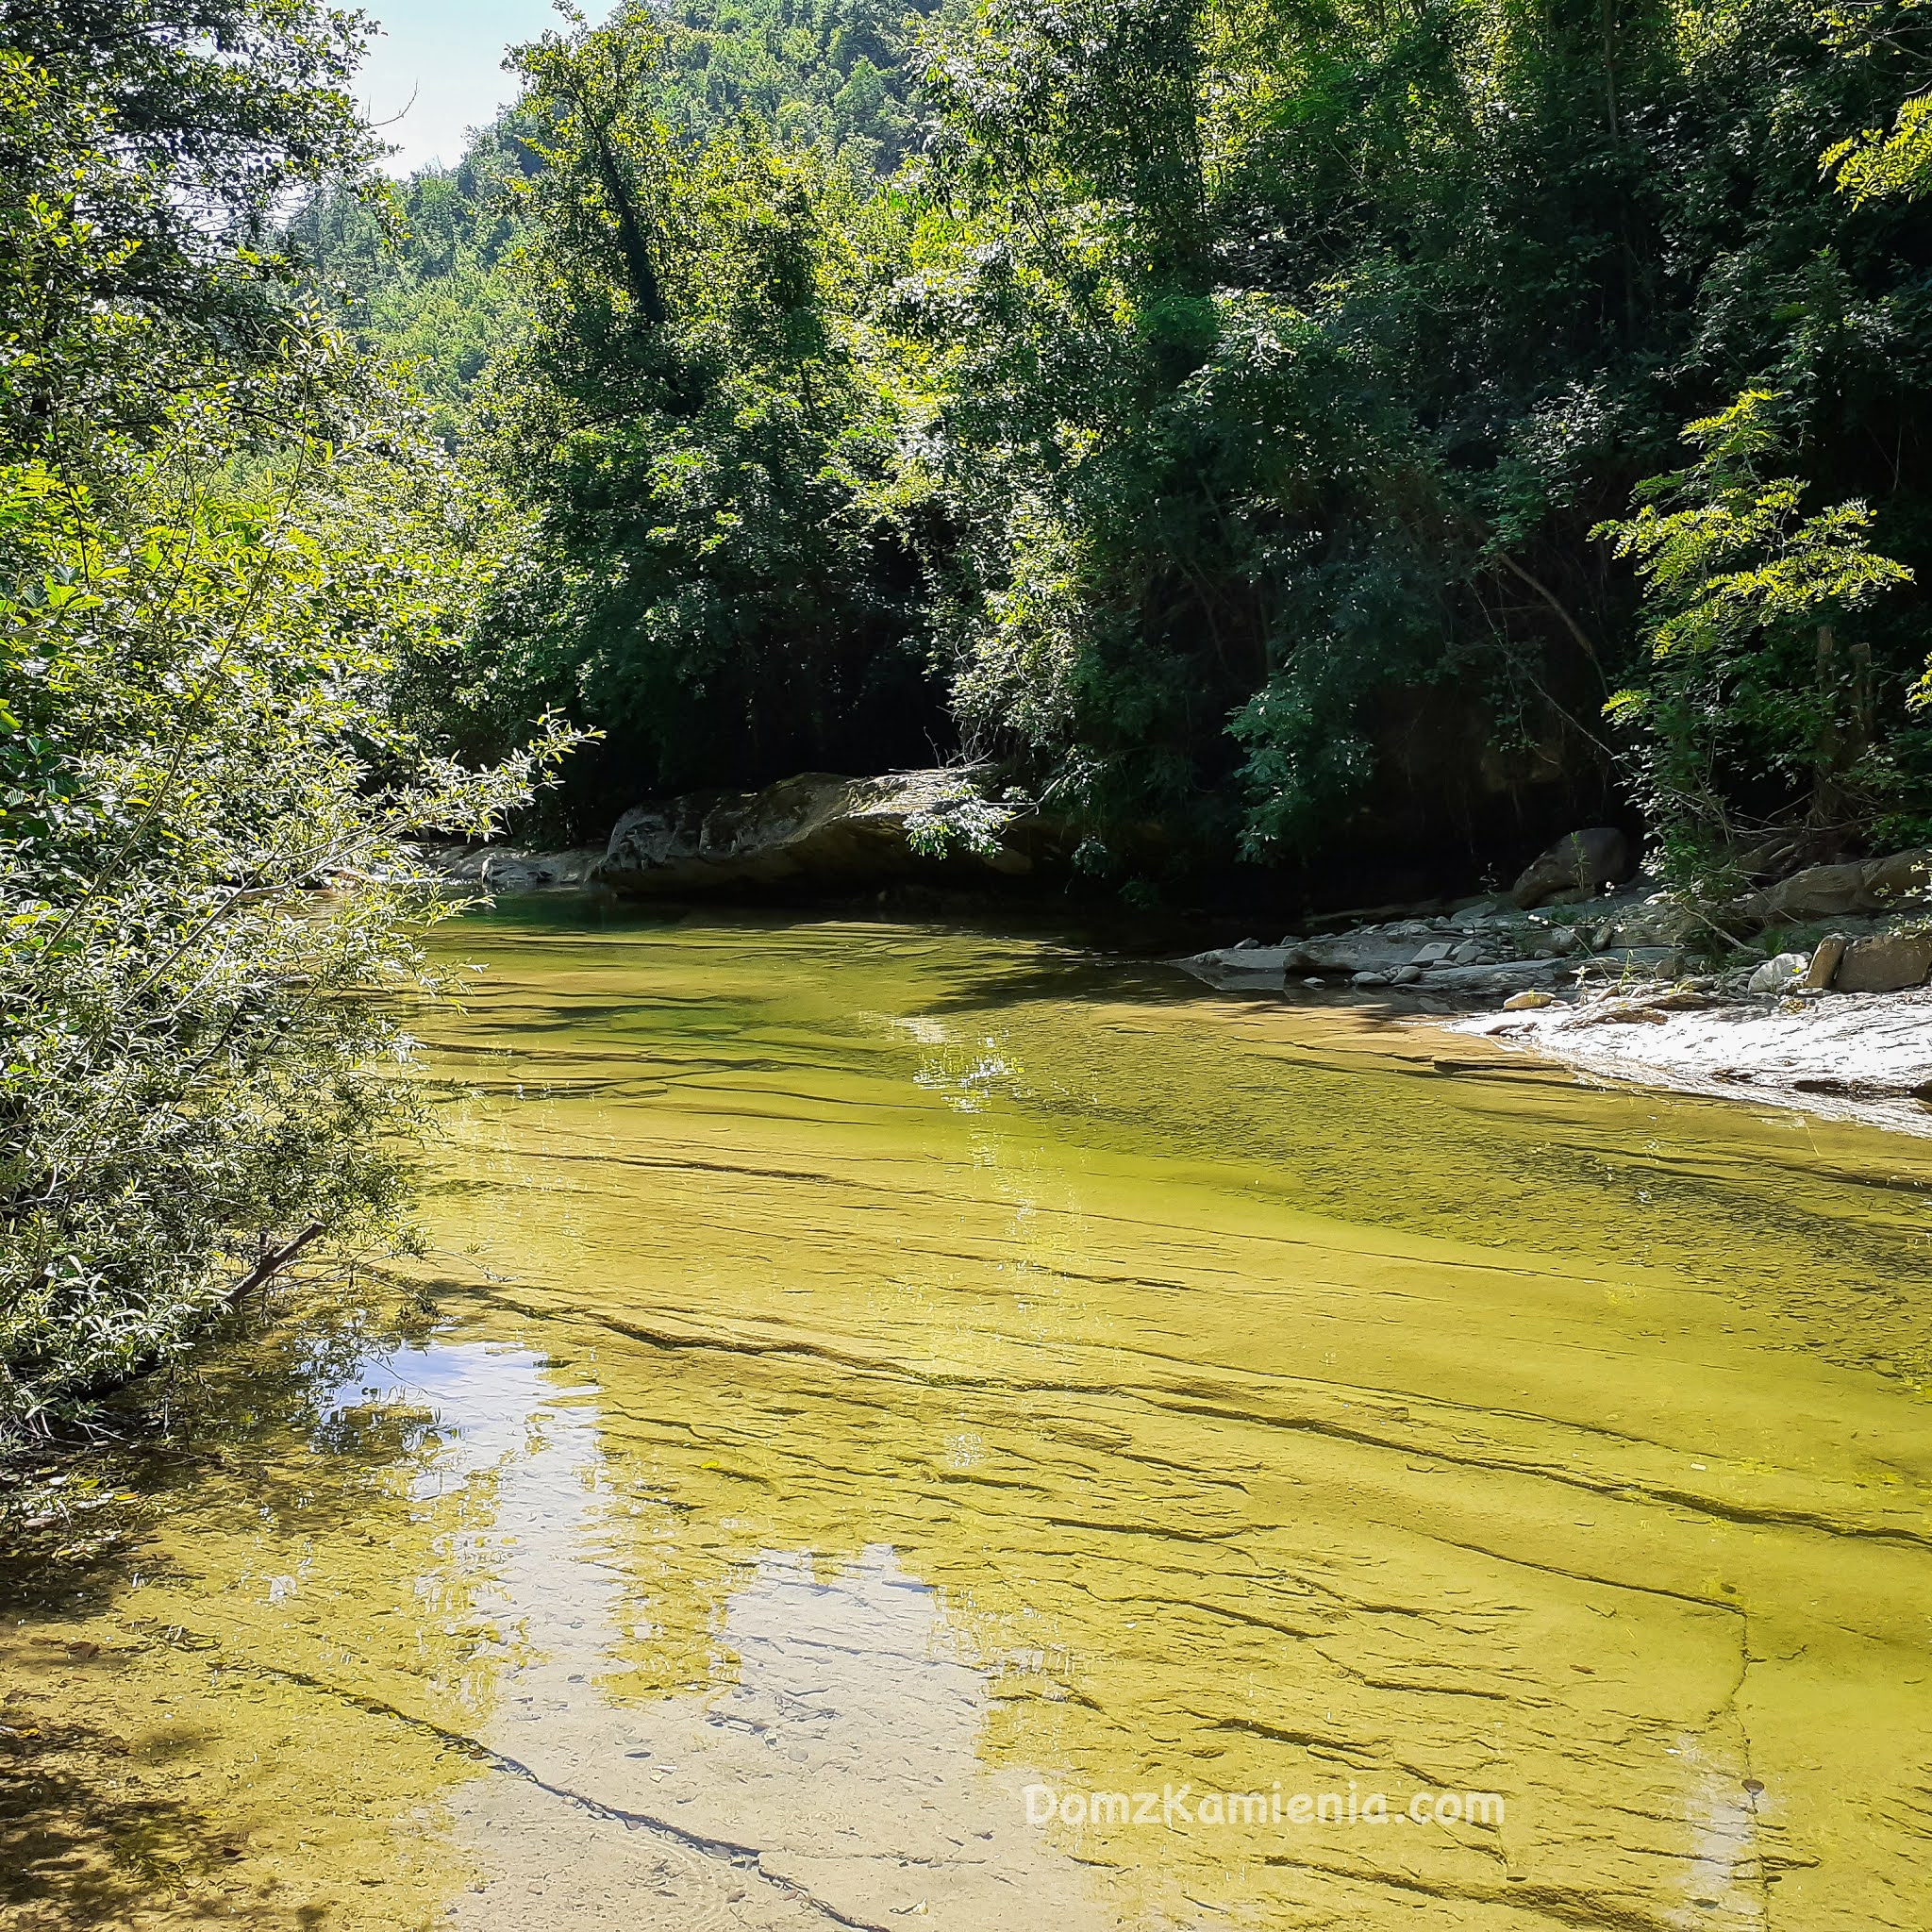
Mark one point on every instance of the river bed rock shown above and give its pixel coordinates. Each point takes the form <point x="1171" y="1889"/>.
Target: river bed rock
<point x="1889" y="962"/>
<point x="1584" y="862"/>
<point x="1612" y="969"/>
<point x="1856" y="1056"/>
<point x="513" y="869"/>
<point x="820" y="831"/>
<point x="1824" y="891"/>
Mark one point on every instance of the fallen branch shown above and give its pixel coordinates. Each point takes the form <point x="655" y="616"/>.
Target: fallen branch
<point x="272" y="1263"/>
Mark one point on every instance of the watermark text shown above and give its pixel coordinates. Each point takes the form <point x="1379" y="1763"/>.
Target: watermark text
<point x="1177" y="1807"/>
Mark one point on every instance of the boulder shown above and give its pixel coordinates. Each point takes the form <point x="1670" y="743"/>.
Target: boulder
<point x="818" y="831"/>
<point x="1356" y="952"/>
<point x="1584" y="861"/>
<point x="1829" y="892"/>
<point x="1243" y="969"/>
<point x="1511" y="978"/>
<point x="1887" y="962"/>
<point x="1825" y="961"/>
<point x="1820" y="892"/>
<point x="1898" y="876"/>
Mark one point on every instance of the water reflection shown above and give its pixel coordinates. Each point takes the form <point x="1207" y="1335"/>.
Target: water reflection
<point x="870" y="1372"/>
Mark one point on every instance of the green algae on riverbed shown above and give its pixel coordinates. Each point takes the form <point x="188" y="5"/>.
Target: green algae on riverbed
<point x="877" y="1368"/>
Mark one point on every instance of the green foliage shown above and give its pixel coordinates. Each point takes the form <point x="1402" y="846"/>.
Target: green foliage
<point x="718" y="567"/>
<point x="964" y="820"/>
<point x="1881" y="161"/>
<point x="825" y="74"/>
<point x="1287" y="359"/>
<point x="194" y="747"/>
<point x="1755" y="687"/>
<point x="422" y="272"/>
<point x="1214" y="404"/>
<point x="147" y="150"/>
<point x="218" y="529"/>
<point x="426" y="276"/>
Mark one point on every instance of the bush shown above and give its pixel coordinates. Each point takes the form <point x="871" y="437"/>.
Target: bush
<point x="211" y="902"/>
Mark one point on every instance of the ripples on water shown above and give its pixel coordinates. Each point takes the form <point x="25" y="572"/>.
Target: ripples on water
<point x="864" y="1371"/>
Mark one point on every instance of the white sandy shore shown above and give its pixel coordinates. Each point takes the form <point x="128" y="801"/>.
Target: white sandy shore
<point x="1863" y="1056"/>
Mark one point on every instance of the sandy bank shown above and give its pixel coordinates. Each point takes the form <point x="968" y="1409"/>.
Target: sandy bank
<point x="1846" y="1056"/>
<point x="1621" y="986"/>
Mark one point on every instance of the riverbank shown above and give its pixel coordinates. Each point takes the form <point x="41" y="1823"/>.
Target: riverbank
<point x="1858" y="1056"/>
<point x="1817" y="1013"/>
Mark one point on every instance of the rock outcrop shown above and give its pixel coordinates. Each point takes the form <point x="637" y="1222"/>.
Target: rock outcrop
<point x="818" y="832"/>
<point x="1641" y="987"/>
<point x="1866" y="1057"/>
<point x="1483" y="948"/>
<point x="510" y="869"/>
<point x="1829" y="892"/>
<point x="1583" y="862"/>
<point x="1886" y="962"/>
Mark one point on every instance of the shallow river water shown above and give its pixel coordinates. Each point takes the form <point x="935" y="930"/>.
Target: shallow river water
<point x="897" y="1426"/>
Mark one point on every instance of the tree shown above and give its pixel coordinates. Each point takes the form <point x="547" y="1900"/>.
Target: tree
<point x="1882" y="162"/>
<point x="218" y="528"/>
<point x="1219" y="397"/>
<point x="194" y="744"/>
<point x="147" y="150"/>
<point x="719" y="567"/>
<point x="1761" y="702"/>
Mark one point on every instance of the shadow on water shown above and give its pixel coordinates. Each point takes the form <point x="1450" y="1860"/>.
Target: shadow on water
<point x="82" y="1846"/>
<point x="113" y="1723"/>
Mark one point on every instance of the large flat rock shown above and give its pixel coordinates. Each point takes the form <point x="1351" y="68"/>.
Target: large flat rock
<point x="1825" y="892"/>
<point x="817" y="830"/>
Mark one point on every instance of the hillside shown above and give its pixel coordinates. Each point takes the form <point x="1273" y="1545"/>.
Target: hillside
<point x="425" y="278"/>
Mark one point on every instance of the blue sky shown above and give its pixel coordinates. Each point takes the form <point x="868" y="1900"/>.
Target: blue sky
<point x="448" y="53"/>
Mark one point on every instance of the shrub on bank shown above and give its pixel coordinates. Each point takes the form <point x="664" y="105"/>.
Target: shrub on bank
<point x="212" y="908"/>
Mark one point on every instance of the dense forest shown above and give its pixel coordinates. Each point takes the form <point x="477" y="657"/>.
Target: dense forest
<point x="1275" y="437"/>
<point x="1270" y="433"/>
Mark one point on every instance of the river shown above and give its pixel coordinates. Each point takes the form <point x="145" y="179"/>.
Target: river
<point x="903" y="1425"/>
